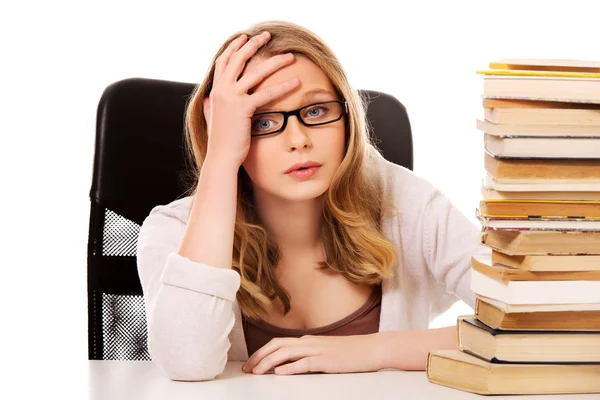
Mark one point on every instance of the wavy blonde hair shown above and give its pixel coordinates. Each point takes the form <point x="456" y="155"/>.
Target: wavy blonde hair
<point x="353" y="205"/>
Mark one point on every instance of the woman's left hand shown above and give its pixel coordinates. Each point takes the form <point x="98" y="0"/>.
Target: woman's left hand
<point x="329" y="354"/>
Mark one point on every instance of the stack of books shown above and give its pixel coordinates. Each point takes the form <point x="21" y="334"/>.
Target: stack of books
<point x="536" y="328"/>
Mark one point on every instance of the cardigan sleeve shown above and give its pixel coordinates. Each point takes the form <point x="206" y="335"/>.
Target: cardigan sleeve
<point x="188" y="305"/>
<point x="450" y="240"/>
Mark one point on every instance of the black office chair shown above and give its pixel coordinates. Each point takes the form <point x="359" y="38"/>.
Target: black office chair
<point x="139" y="163"/>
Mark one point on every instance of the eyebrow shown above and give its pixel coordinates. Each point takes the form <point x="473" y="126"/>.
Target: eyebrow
<point x="305" y="97"/>
<point x="314" y="92"/>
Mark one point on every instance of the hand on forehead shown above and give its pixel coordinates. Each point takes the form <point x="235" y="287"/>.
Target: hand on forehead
<point x="314" y="84"/>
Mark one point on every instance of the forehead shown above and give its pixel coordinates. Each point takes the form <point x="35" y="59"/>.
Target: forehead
<point x="314" y="84"/>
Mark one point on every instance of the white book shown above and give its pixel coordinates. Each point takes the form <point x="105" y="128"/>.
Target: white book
<point x="539" y="130"/>
<point x="490" y="194"/>
<point x="547" y="88"/>
<point x="525" y="308"/>
<point x="537" y="147"/>
<point x="542" y="185"/>
<point x="548" y="224"/>
<point x="536" y="292"/>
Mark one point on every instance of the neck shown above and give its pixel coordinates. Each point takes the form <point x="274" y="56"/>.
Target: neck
<point x="294" y="225"/>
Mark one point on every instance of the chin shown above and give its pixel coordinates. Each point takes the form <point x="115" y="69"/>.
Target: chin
<point x="302" y="191"/>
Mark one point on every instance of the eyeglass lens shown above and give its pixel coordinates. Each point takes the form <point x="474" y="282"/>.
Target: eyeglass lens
<point x="314" y="114"/>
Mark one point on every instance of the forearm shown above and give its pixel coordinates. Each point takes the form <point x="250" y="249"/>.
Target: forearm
<point x="408" y="350"/>
<point x="209" y="233"/>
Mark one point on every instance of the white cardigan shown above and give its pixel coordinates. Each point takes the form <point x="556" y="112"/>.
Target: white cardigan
<point x="193" y="319"/>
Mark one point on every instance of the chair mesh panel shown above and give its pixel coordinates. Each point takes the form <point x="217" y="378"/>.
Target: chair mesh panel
<point x="120" y="332"/>
<point x="119" y="237"/>
<point x="124" y="327"/>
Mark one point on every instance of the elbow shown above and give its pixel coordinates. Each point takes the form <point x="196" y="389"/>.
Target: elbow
<point x="201" y="370"/>
<point x="188" y="368"/>
<point x="188" y="363"/>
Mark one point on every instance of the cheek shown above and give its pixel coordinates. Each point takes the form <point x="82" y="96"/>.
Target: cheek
<point x="336" y="143"/>
<point x="259" y="164"/>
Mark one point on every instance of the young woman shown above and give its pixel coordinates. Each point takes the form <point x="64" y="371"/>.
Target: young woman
<point x="299" y="247"/>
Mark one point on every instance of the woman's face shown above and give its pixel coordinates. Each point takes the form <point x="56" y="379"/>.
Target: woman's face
<point x="271" y="156"/>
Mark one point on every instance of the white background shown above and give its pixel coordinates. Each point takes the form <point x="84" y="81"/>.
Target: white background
<point x="57" y="57"/>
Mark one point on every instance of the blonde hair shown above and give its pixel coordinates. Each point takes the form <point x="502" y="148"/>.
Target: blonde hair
<point x="353" y="205"/>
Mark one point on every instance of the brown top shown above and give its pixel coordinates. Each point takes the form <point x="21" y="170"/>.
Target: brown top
<point x="363" y="321"/>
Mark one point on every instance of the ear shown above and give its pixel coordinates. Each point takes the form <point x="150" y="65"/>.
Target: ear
<point x="206" y="108"/>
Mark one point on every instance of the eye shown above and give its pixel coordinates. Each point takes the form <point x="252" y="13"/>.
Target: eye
<point x="316" y="111"/>
<point x="262" y="124"/>
<point x="265" y="123"/>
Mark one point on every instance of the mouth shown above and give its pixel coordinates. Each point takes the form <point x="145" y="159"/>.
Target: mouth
<point x="304" y="173"/>
<point x="303" y="166"/>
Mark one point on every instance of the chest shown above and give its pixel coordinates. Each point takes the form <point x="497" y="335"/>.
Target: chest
<point x="318" y="298"/>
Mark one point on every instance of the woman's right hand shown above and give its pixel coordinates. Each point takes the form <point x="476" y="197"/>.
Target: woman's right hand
<point x="229" y="108"/>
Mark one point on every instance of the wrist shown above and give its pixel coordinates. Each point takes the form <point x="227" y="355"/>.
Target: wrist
<point x="381" y="350"/>
<point x="408" y="350"/>
<point x="390" y="349"/>
<point x="219" y="163"/>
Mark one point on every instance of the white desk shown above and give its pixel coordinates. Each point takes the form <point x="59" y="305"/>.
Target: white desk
<point x="115" y="380"/>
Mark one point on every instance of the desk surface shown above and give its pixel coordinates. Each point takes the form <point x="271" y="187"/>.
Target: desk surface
<point x="131" y="380"/>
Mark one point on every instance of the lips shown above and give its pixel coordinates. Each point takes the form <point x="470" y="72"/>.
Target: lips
<point x="303" y="165"/>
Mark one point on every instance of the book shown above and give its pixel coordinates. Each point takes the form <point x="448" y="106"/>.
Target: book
<point x="541" y="224"/>
<point x="542" y="171"/>
<point x="543" y="208"/>
<point x="536" y="73"/>
<point x="543" y="243"/>
<point x="515" y="346"/>
<point x="541" y="64"/>
<point x="489" y="193"/>
<point x="557" y="187"/>
<point x="536" y="292"/>
<point x="556" y="263"/>
<point x="503" y="273"/>
<point x="545" y="148"/>
<point x="541" y="131"/>
<point x="458" y="370"/>
<point x="539" y="308"/>
<point x="526" y="114"/>
<point x="569" y="320"/>
<point x="579" y="87"/>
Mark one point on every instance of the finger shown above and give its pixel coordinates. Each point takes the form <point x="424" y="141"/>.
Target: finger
<point x="269" y="94"/>
<point x="206" y="109"/>
<point x="273" y="345"/>
<point x="266" y="68"/>
<point x="238" y="60"/>
<point x="304" y="365"/>
<point x="286" y="353"/>
<point x="223" y="59"/>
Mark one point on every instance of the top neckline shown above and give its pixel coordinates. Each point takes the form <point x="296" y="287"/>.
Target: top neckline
<point x="375" y="295"/>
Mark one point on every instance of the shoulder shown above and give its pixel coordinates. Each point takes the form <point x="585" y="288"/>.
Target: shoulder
<point x="166" y="221"/>
<point x="408" y="192"/>
<point x="178" y="209"/>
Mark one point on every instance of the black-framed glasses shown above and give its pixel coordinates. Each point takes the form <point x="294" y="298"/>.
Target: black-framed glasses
<point x="326" y="112"/>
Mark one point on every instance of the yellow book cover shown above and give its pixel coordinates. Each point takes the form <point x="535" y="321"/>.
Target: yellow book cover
<point x="554" y="74"/>
<point x="544" y="201"/>
<point x="546" y="64"/>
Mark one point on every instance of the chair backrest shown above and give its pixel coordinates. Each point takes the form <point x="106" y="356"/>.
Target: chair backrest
<point x="138" y="163"/>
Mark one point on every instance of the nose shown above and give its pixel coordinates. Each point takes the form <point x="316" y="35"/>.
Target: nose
<point x="296" y="134"/>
